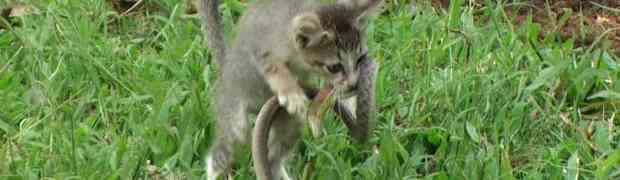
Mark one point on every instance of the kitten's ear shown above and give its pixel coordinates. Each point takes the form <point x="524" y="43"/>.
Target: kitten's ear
<point x="362" y="10"/>
<point x="307" y="31"/>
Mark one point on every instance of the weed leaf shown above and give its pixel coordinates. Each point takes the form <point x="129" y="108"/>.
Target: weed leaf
<point x="572" y="168"/>
<point x="472" y="132"/>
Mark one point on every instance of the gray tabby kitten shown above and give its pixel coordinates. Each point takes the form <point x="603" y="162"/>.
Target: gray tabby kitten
<point x="280" y="48"/>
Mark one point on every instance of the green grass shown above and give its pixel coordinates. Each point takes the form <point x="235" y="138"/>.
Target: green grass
<point x="87" y="94"/>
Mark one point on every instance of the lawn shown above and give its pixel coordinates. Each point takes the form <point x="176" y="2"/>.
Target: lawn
<point x="463" y="93"/>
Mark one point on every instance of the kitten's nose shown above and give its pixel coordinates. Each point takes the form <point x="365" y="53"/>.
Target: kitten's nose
<point x="340" y="81"/>
<point x="347" y="90"/>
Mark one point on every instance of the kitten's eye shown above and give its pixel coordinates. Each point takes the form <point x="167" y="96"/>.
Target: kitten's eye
<point x="336" y="68"/>
<point x="362" y="57"/>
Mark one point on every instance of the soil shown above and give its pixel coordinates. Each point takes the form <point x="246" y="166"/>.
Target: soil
<point x="583" y="21"/>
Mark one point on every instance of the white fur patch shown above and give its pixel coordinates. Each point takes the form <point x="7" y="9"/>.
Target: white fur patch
<point x="351" y="104"/>
<point x="284" y="174"/>
<point x="212" y="173"/>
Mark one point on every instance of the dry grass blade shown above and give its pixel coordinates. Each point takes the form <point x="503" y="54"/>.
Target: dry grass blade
<point x="134" y="6"/>
<point x="586" y="134"/>
<point x="317" y="108"/>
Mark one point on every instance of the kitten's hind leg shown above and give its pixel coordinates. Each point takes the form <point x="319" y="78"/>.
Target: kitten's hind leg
<point x="232" y="129"/>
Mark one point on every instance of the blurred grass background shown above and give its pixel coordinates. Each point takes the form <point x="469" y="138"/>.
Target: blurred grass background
<point x="90" y="92"/>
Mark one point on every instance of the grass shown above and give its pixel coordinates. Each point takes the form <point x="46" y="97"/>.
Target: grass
<point x="88" y="94"/>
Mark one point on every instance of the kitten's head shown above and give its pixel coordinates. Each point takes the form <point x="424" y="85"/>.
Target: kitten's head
<point x="332" y="40"/>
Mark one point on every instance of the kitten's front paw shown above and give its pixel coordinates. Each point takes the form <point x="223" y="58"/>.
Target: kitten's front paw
<point x="295" y="102"/>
